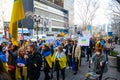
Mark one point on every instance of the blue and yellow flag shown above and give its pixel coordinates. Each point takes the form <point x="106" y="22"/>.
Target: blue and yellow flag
<point x="62" y="60"/>
<point x="48" y="56"/>
<point x="17" y="15"/>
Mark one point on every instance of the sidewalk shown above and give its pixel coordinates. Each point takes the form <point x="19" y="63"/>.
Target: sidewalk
<point x="117" y="48"/>
<point x="112" y="72"/>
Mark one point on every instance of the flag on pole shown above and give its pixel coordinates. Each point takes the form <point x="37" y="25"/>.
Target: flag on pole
<point x="17" y="14"/>
<point x="89" y="27"/>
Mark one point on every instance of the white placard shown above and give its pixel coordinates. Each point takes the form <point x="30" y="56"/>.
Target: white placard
<point x="50" y="40"/>
<point x="86" y="34"/>
<point x="83" y="41"/>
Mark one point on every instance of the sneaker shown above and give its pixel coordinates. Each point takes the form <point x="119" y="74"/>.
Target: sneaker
<point x="75" y="73"/>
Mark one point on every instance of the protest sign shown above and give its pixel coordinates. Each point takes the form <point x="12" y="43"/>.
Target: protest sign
<point x="50" y="40"/>
<point x="87" y="34"/>
<point x="83" y="41"/>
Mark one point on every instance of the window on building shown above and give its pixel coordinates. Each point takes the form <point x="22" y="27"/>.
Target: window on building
<point x="56" y="23"/>
<point x="56" y="2"/>
<point x="50" y="15"/>
<point x="59" y="2"/>
<point x="51" y="1"/>
<point x="55" y="30"/>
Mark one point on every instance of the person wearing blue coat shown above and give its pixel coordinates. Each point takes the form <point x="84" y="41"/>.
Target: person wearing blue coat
<point x="2" y="55"/>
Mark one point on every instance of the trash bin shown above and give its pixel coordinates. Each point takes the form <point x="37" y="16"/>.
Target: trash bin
<point x="118" y="63"/>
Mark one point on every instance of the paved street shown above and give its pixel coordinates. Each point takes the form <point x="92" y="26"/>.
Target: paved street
<point x="112" y="72"/>
<point x="117" y="48"/>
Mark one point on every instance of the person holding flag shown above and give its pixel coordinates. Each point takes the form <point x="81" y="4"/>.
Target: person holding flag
<point x="46" y="52"/>
<point x="59" y="59"/>
<point x="21" y="69"/>
<point x="17" y="15"/>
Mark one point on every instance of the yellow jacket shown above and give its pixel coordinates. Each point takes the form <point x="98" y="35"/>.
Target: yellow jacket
<point x="62" y="59"/>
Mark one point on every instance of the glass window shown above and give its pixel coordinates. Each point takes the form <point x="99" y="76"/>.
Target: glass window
<point x="55" y="29"/>
<point x="50" y="15"/>
<point x="55" y="23"/>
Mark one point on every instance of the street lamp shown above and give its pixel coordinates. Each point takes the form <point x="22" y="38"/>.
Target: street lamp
<point x="37" y="21"/>
<point x="45" y="25"/>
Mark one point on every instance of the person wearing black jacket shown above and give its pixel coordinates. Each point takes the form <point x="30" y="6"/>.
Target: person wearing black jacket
<point x="52" y="52"/>
<point x="68" y="53"/>
<point x="13" y="52"/>
<point x="89" y="50"/>
<point x="34" y="62"/>
<point x="47" y="67"/>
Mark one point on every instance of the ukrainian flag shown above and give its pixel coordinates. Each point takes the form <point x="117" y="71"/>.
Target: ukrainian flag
<point x="97" y="45"/>
<point x="17" y="15"/>
<point x="62" y="60"/>
<point x="48" y="55"/>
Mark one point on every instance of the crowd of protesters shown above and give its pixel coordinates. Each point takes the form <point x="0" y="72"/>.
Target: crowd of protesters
<point x="25" y="61"/>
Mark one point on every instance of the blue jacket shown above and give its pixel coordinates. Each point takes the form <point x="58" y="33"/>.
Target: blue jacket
<point x="2" y="57"/>
<point x="20" y="60"/>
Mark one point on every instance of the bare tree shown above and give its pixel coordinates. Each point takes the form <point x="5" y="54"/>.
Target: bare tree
<point x="87" y="11"/>
<point x="115" y="16"/>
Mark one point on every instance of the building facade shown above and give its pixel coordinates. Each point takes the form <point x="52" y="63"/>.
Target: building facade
<point x="5" y="14"/>
<point x="57" y="2"/>
<point x="74" y="20"/>
<point x="115" y="28"/>
<point x="53" y="17"/>
<point x="28" y="9"/>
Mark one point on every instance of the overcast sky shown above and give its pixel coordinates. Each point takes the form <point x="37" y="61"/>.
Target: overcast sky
<point x="102" y="14"/>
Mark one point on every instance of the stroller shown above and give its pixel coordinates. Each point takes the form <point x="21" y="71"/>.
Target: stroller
<point x="91" y="75"/>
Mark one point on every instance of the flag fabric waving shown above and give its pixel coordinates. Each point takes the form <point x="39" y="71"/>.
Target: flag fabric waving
<point x="17" y="15"/>
<point x="48" y="56"/>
